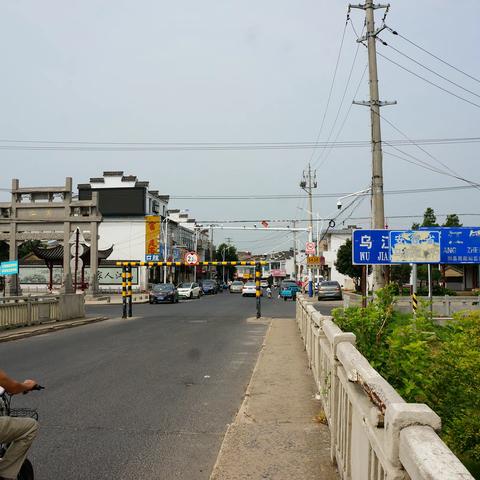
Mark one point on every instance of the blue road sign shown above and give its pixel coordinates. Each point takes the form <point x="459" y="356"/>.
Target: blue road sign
<point x="460" y="245"/>
<point x="371" y="247"/>
<point x="152" y="257"/>
<point x="9" y="268"/>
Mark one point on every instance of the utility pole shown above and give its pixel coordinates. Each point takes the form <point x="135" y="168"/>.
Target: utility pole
<point x="378" y="211"/>
<point x="308" y="183"/>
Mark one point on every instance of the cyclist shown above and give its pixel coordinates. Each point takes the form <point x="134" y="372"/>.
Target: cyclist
<point x="18" y="433"/>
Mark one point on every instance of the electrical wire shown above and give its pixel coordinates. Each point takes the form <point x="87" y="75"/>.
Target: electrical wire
<point x="44" y="145"/>
<point x="393" y="32"/>
<point x="428" y="81"/>
<point x="319" y="159"/>
<point x="331" y="86"/>
<point x="427" y="68"/>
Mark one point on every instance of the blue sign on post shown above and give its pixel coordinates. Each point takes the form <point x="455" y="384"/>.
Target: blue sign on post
<point x="460" y="245"/>
<point x="371" y="247"/>
<point x="443" y="245"/>
<point x="9" y="268"/>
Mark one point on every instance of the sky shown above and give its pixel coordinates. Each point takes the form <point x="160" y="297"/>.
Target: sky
<point x="239" y="71"/>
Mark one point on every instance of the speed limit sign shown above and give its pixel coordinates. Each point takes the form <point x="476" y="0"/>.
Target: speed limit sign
<point x="191" y="258"/>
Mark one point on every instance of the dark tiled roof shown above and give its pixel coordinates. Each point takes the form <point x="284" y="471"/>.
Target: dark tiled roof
<point x="113" y="174"/>
<point x="55" y="254"/>
<point x="129" y="178"/>
<point x="97" y="180"/>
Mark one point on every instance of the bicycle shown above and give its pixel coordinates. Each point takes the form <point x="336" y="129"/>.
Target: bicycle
<point x="26" y="472"/>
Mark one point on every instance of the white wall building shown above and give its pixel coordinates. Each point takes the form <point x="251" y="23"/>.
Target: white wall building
<point x="124" y="201"/>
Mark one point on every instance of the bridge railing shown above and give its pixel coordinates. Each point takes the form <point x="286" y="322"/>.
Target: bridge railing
<point x="375" y="434"/>
<point x="32" y="310"/>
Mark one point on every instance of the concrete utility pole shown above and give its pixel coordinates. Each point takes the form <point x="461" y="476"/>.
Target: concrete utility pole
<point x="308" y="183"/>
<point x="378" y="212"/>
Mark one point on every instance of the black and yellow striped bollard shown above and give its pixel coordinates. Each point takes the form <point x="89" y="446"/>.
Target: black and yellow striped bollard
<point x="258" y="290"/>
<point x="124" y="292"/>
<point x="129" y="289"/>
<point x="414" y="303"/>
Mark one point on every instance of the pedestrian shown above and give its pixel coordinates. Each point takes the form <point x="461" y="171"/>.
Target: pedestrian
<point x="269" y="292"/>
<point x="17" y="432"/>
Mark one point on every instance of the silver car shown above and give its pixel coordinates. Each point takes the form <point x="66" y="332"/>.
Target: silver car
<point x="236" y="287"/>
<point x="331" y="290"/>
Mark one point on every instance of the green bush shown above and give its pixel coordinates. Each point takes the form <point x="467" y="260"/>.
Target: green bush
<point x="426" y="363"/>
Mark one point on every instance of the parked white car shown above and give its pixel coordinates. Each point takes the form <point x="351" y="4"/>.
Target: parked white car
<point x="250" y="290"/>
<point x="189" y="290"/>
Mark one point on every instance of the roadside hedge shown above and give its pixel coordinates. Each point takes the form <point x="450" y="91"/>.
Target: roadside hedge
<point x="426" y="363"/>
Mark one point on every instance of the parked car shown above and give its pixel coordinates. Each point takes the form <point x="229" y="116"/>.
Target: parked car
<point x="163" y="292"/>
<point x="250" y="290"/>
<point x="331" y="290"/>
<point x="209" y="287"/>
<point x="289" y="289"/>
<point x="189" y="290"/>
<point x="236" y="286"/>
<point x="264" y="283"/>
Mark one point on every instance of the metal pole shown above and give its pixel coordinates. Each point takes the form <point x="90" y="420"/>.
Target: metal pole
<point x="124" y="292"/>
<point x="196" y="246"/>
<point x="129" y="288"/>
<point x="258" y="290"/>
<point x="364" y="286"/>
<point x="430" y="288"/>
<point x="165" y="251"/>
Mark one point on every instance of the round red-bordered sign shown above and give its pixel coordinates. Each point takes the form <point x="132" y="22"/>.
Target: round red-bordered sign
<point x="191" y="258"/>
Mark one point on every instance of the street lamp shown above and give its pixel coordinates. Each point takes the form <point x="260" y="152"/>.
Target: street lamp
<point x="360" y="193"/>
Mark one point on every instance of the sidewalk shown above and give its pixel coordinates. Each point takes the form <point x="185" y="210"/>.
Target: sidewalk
<point x="40" y="329"/>
<point x="275" y="435"/>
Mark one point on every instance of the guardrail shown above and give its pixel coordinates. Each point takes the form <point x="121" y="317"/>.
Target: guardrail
<point x="375" y="434"/>
<point x="32" y="310"/>
<point x="442" y="305"/>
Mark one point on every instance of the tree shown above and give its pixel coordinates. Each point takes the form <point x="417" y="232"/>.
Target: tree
<point x="429" y="218"/>
<point x="344" y="264"/>
<point x="226" y="253"/>
<point x="452" y="220"/>
<point x="400" y="274"/>
<point x="27" y="247"/>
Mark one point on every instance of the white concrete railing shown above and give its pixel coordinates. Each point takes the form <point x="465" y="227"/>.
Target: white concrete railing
<point x="442" y="305"/>
<point x="32" y="310"/>
<point x="375" y="434"/>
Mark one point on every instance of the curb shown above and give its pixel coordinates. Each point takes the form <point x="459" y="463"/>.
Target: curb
<point x="41" y="330"/>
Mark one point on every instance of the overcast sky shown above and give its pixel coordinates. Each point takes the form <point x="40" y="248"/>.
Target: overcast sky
<point x="236" y="71"/>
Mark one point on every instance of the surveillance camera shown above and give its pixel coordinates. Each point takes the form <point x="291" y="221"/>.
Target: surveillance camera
<point x="339" y="204"/>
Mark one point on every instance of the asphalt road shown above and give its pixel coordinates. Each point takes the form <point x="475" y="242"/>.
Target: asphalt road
<point x="147" y="397"/>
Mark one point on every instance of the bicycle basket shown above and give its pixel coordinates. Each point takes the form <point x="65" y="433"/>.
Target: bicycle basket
<point x="24" y="412"/>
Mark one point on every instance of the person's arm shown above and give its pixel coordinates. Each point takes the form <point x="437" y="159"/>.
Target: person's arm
<point x="14" y="387"/>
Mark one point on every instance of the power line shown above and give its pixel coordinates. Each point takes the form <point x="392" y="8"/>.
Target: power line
<point x="339" y="107"/>
<point x="331" y="86"/>
<point x="428" y="68"/>
<point x="431" y="54"/>
<point x="428" y="81"/>
<point x="212" y="146"/>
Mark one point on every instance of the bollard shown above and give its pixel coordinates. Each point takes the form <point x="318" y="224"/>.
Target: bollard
<point x="258" y="290"/>
<point x="129" y="289"/>
<point x="414" y="303"/>
<point x="124" y="292"/>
